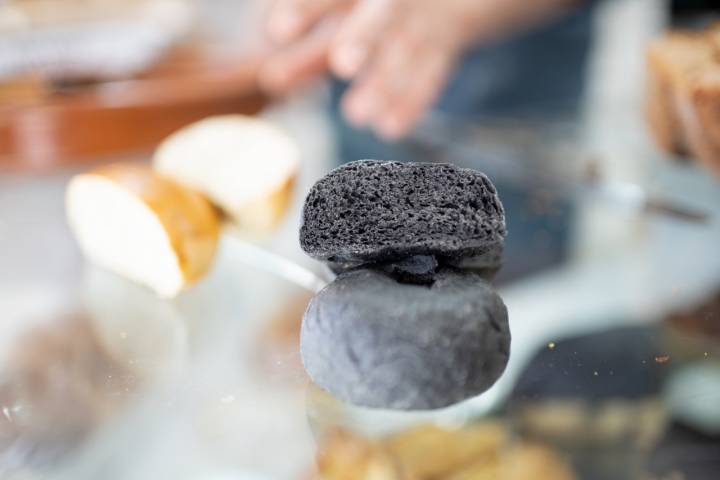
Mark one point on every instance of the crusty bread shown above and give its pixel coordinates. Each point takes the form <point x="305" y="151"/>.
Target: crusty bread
<point x="245" y="166"/>
<point x="700" y="114"/>
<point x="143" y="226"/>
<point x="371" y="211"/>
<point x="410" y="323"/>
<point x="683" y="94"/>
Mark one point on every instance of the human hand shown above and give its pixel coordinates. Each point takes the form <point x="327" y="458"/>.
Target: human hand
<point x="397" y="53"/>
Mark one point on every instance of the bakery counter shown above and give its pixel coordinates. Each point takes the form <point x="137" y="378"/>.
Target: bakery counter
<point x="101" y="379"/>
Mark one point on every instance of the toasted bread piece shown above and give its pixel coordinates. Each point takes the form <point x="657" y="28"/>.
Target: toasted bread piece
<point x="522" y="461"/>
<point x="428" y="451"/>
<point x="699" y="109"/>
<point x="672" y="61"/>
<point x="481" y="451"/>
<point x="245" y="166"/>
<point x="343" y="455"/>
<point x="143" y="226"/>
<point x="683" y="94"/>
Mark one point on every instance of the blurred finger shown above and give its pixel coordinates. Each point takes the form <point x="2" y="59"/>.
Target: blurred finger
<point x="404" y="81"/>
<point x="363" y="101"/>
<point x="306" y="59"/>
<point x="414" y="67"/>
<point x="404" y="109"/>
<point x="290" y="18"/>
<point x="359" y="34"/>
<point x="386" y="72"/>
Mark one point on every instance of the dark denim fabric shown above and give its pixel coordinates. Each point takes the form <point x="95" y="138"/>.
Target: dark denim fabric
<point x="538" y="74"/>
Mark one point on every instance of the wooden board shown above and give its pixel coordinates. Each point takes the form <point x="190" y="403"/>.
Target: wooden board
<point x="70" y="125"/>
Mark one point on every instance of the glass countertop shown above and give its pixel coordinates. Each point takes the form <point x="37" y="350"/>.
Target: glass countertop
<point x="100" y="379"/>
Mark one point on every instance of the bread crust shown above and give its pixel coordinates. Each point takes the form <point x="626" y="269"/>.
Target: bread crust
<point x="190" y="221"/>
<point x="372" y="211"/>
<point x="262" y="215"/>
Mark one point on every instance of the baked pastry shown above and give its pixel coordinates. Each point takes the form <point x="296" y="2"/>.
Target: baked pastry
<point x="372" y="341"/>
<point x="143" y="226"/>
<point x="525" y="461"/>
<point x="410" y="323"/>
<point x="369" y="212"/>
<point x="345" y="456"/>
<point x="245" y="166"/>
<point x="476" y="452"/>
<point x="683" y="94"/>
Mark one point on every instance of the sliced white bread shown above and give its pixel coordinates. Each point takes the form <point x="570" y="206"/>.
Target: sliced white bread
<point x="245" y="166"/>
<point x="142" y="226"/>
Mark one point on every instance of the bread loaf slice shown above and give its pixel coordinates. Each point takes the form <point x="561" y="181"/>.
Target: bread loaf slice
<point x="683" y="94"/>
<point x="671" y="61"/>
<point x="142" y="226"/>
<point x="699" y="110"/>
<point x="245" y="166"/>
<point x="372" y="211"/>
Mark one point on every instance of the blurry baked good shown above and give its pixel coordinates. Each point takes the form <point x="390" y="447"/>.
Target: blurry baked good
<point x="373" y="341"/>
<point x="345" y="456"/>
<point x="519" y="462"/>
<point x="670" y="58"/>
<point x="410" y="323"/>
<point x="245" y="166"/>
<point x="143" y="226"/>
<point x="476" y="452"/>
<point x="683" y="94"/>
<point x="429" y="451"/>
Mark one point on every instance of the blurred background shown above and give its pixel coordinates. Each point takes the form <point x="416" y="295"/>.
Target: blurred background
<point x="611" y="271"/>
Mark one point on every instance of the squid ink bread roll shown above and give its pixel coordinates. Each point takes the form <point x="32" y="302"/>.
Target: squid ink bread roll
<point x="373" y="341"/>
<point x="372" y="211"/>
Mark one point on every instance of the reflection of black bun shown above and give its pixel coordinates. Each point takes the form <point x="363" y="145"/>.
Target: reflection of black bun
<point x="375" y="342"/>
<point x="374" y="211"/>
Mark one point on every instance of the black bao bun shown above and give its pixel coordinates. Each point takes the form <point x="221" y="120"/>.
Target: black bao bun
<point x="374" y="342"/>
<point x="371" y="211"/>
<point x="410" y="322"/>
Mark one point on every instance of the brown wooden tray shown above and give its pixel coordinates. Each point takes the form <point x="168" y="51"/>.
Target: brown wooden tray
<point x="68" y="125"/>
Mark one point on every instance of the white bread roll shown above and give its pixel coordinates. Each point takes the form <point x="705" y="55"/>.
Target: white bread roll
<point x="245" y="166"/>
<point x="142" y="226"/>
